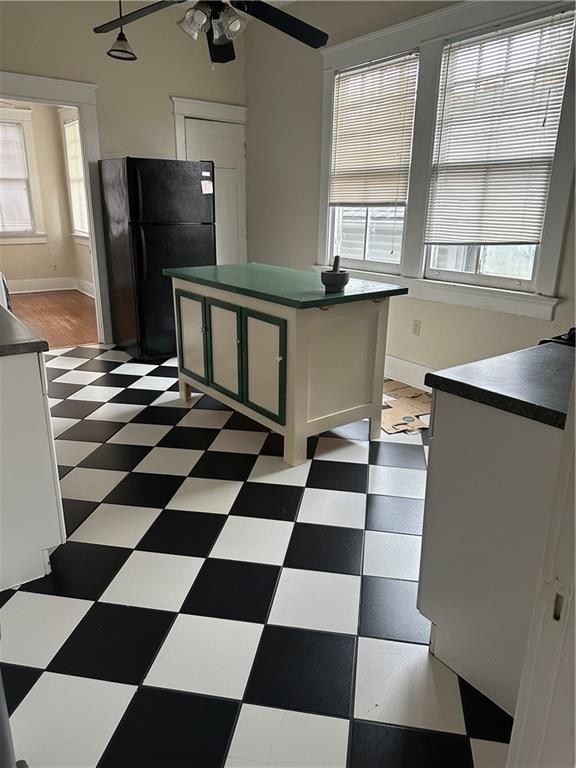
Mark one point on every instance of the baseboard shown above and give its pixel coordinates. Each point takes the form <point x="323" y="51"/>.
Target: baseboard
<point x="406" y="371"/>
<point x="41" y="284"/>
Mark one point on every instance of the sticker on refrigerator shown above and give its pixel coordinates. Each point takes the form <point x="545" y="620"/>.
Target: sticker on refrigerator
<point x="206" y="173"/>
<point x="207" y="187"/>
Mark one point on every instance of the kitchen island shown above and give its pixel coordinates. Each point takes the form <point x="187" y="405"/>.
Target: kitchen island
<point x="270" y="343"/>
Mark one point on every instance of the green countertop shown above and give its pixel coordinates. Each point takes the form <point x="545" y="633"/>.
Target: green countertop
<point x="280" y="285"/>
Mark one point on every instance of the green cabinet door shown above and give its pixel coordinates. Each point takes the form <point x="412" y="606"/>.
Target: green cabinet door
<point x="264" y="364"/>
<point x="224" y="325"/>
<point x="191" y="329"/>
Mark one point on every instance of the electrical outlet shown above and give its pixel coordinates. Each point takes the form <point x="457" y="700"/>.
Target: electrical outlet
<point x="416" y="327"/>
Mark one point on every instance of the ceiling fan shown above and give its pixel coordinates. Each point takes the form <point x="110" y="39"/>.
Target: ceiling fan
<point x="221" y="23"/>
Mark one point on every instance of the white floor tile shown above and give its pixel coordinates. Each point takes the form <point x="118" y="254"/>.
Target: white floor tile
<point x="317" y="600"/>
<point x="403" y="684"/>
<point x="115" y="355"/>
<point x="90" y="484"/>
<point x="415" y="438"/>
<point x="160" y="383"/>
<point x="198" y="494"/>
<point x="66" y="363"/>
<point x="35" y="626"/>
<point x="341" y="508"/>
<point x="392" y="555"/>
<point x="134" y="369"/>
<point x="78" y="377"/>
<point x="115" y="525"/>
<point x="277" y="738"/>
<point x="169" y="461"/>
<point x="206" y="655"/>
<point x="489" y="754"/>
<point x="153" y="580"/>
<point x="338" y="449"/>
<point x="60" y="425"/>
<point x="397" y="481"/>
<point x="273" y="469"/>
<point x="67" y="721"/>
<point x="96" y="394"/>
<point x="239" y="441"/>
<point x="124" y="412"/>
<point x="52" y="401"/>
<point x="58" y="351"/>
<point x="72" y="452"/>
<point x="205" y="419"/>
<point x="173" y="400"/>
<point x="140" y="434"/>
<point x="254" y="540"/>
<point x="172" y="363"/>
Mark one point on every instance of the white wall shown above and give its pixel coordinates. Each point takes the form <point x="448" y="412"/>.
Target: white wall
<point x="284" y="96"/>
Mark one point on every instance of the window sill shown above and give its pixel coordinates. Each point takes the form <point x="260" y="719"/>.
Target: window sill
<point x="37" y="239"/>
<point x="474" y="296"/>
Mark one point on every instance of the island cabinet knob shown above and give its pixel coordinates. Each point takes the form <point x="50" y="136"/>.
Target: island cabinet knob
<point x="279" y="358"/>
<point x="237" y="341"/>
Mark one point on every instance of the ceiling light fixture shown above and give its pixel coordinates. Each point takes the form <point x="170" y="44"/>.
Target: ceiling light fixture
<point x="121" y="48"/>
<point x="196" y="20"/>
<point x="227" y="26"/>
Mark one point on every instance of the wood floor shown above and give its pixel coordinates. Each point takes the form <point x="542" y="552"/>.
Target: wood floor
<point x="63" y="318"/>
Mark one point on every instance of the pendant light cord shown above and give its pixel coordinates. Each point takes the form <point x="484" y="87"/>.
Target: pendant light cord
<point x="120" y="11"/>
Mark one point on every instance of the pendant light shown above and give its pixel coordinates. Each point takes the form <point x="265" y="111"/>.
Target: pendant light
<point x="121" y="49"/>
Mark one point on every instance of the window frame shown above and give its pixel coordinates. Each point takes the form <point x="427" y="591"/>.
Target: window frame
<point x="37" y="235"/>
<point x="428" y="35"/>
<point x="72" y="115"/>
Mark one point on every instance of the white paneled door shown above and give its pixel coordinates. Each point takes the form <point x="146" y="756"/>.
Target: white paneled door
<point x="224" y="144"/>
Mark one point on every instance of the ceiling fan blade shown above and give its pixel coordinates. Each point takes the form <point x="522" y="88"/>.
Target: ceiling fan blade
<point x="135" y="15"/>
<point x="219" y="54"/>
<point x="282" y="21"/>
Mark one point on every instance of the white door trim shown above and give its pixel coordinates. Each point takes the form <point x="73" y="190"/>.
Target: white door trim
<point x="47" y="90"/>
<point x="202" y="110"/>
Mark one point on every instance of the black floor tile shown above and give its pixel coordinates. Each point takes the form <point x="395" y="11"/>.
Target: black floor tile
<point x="189" y="437"/>
<point x="325" y="548"/>
<point x="209" y="403"/>
<point x="5" y="595"/>
<point x="160" y="415"/>
<point x="394" y="514"/>
<point x="397" y="455"/>
<point x="239" y="421"/>
<point x="98" y="366"/>
<point x="63" y="471"/>
<point x="425" y="435"/>
<point x="182" y="533"/>
<point x="484" y="719"/>
<point x="145" y="490"/>
<point x="60" y="390"/>
<point x="275" y="502"/>
<point x="338" y="476"/>
<point x="303" y="670"/>
<point x="165" y="371"/>
<point x="113" y="642"/>
<point x="116" y="456"/>
<point x="54" y="373"/>
<point x="274" y="445"/>
<point x="224" y="465"/>
<point x="74" y="409"/>
<point x="87" y="352"/>
<point x="228" y="589"/>
<point x="388" y="611"/>
<point x="17" y="683"/>
<point x="168" y="728"/>
<point x="92" y="431"/>
<point x="386" y="745"/>
<point x="115" y="380"/>
<point x="75" y="512"/>
<point x="80" y="570"/>
<point x="135" y="396"/>
<point x="358" y="430"/>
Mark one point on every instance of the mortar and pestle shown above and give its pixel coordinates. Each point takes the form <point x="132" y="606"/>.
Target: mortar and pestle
<point x="335" y="279"/>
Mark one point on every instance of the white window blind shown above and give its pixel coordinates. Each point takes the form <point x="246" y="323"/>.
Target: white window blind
<point x="75" y="168"/>
<point x="15" y="208"/>
<point x="372" y="133"/>
<point x="497" y="124"/>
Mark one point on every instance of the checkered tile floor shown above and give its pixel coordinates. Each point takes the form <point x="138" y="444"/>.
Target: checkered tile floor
<point x="215" y="607"/>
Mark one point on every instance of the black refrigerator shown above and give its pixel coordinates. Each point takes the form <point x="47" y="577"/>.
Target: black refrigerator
<point x="157" y="214"/>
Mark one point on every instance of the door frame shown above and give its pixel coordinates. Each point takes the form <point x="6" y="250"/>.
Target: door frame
<point x="48" y="90"/>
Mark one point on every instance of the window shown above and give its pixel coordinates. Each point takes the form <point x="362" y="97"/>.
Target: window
<point x="76" y="185"/>
<point x="497" y="123"/>
<point x="16" y="215"/>
<point x="371" y="148"/>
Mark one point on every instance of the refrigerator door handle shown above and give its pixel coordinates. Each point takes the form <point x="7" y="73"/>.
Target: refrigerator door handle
<point x="143" y="255"/>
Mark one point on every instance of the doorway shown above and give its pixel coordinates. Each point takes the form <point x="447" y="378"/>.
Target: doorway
<point x="45" y="235"/>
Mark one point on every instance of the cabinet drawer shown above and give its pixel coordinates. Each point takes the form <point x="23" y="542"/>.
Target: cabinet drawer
<point x="264" y="364"/>
<point x="192" y="352"/>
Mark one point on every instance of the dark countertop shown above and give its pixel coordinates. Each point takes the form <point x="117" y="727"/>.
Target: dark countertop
<point x="280" y="285"/>
<point x="534" y="382"/>
<point x="16" y="338"/>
